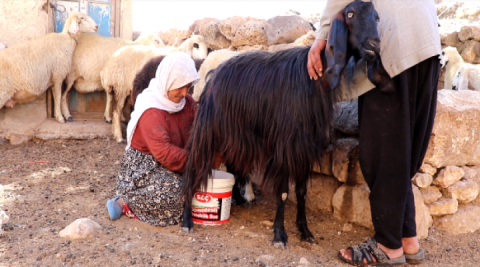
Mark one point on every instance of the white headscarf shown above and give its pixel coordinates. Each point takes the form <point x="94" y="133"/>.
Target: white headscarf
<point x="176" y="70"/>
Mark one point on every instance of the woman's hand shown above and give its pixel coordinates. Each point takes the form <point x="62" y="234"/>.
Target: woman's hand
<point x="314" y="64"/>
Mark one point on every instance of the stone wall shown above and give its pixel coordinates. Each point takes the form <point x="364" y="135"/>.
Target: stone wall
<point x="446" y="187"/>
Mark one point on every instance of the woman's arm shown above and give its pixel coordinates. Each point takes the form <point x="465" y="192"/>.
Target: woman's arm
<point x="156" y="137"/>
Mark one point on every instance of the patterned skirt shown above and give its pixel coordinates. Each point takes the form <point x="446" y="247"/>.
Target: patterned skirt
<point x="151" y="190"/>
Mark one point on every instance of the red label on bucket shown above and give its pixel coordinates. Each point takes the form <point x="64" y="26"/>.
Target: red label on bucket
<point x="211" y="208"/>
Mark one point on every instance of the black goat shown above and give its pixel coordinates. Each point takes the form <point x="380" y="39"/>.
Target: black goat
<point x="261" y="110"/>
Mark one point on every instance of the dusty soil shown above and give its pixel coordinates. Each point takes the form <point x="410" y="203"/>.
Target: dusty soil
<point x="43" y="198"/>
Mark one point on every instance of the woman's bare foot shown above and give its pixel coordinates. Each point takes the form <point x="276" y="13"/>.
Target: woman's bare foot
<point x="120" y="202"/>
<point x="410" y="245"/>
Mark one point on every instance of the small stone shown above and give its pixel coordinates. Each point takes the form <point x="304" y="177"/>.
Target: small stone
<point x="18" y="139"/>
<point x="422" y="180"/>
<point x="81" y="229"/>
<point x="448" y="176"/>
<point x="304" y="262"/>
<point x="443" y="206"/>
<point x="427" y="168"/>
<point x="194" y="258"/>
<point x="235" y="259"/>
<point x="267" y="223"/>
<point x="347" y="227"/>
<point x="430" y="194"/>
<point x="463" y="191"/>
<point x="242" y="227"/>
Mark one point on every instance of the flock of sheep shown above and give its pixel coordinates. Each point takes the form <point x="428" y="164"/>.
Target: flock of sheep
<point x="459" y="75"/>
<point x="87" y="61"/>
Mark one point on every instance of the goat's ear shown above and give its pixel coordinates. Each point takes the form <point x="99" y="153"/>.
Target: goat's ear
<point x="73" y="29"/>
<point x="336" y="50"/>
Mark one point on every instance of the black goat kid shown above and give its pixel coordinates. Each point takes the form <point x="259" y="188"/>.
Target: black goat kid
<point x="262" y="111"/>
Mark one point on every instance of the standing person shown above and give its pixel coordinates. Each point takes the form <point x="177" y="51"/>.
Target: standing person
<point x="150" y="180"/>
<point x="394" y="128"/>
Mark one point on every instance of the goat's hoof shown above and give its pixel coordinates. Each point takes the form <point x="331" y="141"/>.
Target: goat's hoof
<point x="61" y="120"/>
<point x="280" y="245"/>
<point x="70" y="119"/>
<point x="309" y="239"/>
<point x="187" y="230"/>
<point x="107" y="120"/>
<point x="121" y="142"/>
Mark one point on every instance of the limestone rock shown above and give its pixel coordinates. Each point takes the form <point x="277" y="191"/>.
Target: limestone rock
<point x="422" y="180"/>
<point x="455" y="139"/>
<point x="279" y="47"/>
<point x="443" y="206"/>
<point x="174" y="36"/>
<point x="18" y="139"/>
<point x="345" y="166"/>
<point x="463" y="222"/>
<point x="306" y="39"/>
<point x="471" y="52"/>
<point x="426" y="168"/>
<point x="469" y="33"/>
<point x="430" y="194"/>
<point x="464" y="191"/>
<point x="320" y="191"/>
<point x="351" y="204"/>
<point x="345" y="118"/>
<point x="81" y="229"/>
<point x="214" y="39"/>
<point x="251" y="33"/>
<point x="285" y="29"/>
<point x="229" y="26"/>
<point x="449" y="176"/>
<point x="247" y="48"/>
<point x="423" y="219"/>
<point x="303" y="262"/>
<point x="451" y="39"/>
<point x="326" y="165"/>
<point x="472" y="173"/>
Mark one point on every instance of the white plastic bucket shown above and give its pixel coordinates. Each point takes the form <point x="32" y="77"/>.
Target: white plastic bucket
<point x="212" y="205"/>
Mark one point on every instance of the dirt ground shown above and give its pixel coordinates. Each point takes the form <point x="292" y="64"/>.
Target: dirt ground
<point x="43" y="198"/>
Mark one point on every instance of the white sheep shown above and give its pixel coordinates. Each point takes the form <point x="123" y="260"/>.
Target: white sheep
<point x="453" y="60"/>
<point x="120" y="70"/>
<point x="91" y="54"/>
<point x="195" y="46"/>
<point x="467" y="77"/>
<point x="29" y="68"/>
<point x="212" y="61"/>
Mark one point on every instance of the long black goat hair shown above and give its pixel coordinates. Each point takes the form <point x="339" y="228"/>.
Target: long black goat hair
<point x="261" y="111"/>
<point x="280" y="117"/>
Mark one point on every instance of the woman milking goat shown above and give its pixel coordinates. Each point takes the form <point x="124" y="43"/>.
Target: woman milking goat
<point x="262" y="111"/>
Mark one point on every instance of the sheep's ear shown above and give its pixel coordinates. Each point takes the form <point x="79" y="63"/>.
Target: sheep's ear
<point x="73" y="29"/>
<point x="336" y="50"/>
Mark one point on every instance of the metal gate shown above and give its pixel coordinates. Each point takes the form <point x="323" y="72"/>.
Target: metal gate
<point x="90" y="106"/>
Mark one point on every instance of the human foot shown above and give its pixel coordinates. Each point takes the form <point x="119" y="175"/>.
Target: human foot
<point x="372" y="253"/>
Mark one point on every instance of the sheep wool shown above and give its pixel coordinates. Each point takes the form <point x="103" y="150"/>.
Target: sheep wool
<point x="89" y="58"/>
<point x="29" y="68"/>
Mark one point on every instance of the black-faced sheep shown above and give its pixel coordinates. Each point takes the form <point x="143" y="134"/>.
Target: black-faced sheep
<point x="29" y="68"/>
<point x="261" y="110"/>
<point x="89" y="58"/>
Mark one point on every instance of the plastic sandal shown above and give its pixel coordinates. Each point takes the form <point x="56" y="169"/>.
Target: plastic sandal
<point x="114" y="210"/>
<point x="369" y="250"/>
